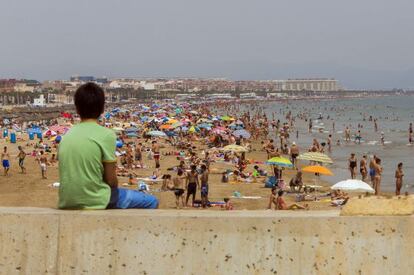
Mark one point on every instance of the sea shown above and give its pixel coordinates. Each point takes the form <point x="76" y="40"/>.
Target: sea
<point x="393" y="114"/>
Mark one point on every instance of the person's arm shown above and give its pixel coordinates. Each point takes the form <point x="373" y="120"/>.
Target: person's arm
<point x="109" y="160"/>
<point x="109" y="175"/>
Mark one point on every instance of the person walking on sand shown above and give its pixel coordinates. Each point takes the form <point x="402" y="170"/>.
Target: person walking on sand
<point x="192" y="183"/>
<point x="156" y="151"/>
<point x="204" y="185"/>
<point x="179" y="186"/>
<point x="21" y="156"/>
<point x="353" y="162"/>
<point x="5" y="159"/>
<point x="43" y="164"/>
<point x="399" y="174"/>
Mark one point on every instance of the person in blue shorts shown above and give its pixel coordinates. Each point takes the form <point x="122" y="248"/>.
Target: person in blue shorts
<point x="5" y="159"/>
<point x="87" y="161"/>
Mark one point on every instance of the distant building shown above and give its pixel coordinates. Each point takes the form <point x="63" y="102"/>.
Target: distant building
<point x="39" y="102"/>
<point x="248" y="95"/>
<point x="311" y="84"/>
<point x="78" y="78"/>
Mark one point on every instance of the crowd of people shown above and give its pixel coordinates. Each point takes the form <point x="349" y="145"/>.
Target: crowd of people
<point x="103" y="145"/>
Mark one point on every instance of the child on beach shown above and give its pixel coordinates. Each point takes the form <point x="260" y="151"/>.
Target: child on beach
<point x="5" y="161"/>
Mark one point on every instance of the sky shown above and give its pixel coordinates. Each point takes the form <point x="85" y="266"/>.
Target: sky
<point x="365" y="44"/>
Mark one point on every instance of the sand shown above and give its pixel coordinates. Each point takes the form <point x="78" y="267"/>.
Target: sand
<point x="31" y="190"/>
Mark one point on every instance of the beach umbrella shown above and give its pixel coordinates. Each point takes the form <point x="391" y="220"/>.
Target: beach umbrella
<point x="226" y="118"/>
<point x="234" y="148"/>
<point x="280" y="161"/>
<point x="177" y="124"/>
<point x="353" y="185"/>
<point x="315" y="156"/>
<point x="156" y="134"/>
<point x="132" y="134"/>
<point x="204" y="125"/>
<point x="193" y="129"/>
<point x="131" y="129"/>
<point x="166" y="127"/>
<point x="242" y="133"/>
<point x="318" y="169"/>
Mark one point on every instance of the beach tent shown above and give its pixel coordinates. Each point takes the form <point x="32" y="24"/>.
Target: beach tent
<point x="353" y="185"/>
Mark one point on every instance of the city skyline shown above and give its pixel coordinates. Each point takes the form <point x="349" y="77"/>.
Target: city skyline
<point x="362" y="44"/>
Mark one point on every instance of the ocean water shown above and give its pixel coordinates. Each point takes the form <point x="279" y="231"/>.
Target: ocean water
<point x="393" y="113"/>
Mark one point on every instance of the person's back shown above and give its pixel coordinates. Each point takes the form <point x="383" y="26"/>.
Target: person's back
<point x="81" y="153"/>
<point x="87" y="161"/>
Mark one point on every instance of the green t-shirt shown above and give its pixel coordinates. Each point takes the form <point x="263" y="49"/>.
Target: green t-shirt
<point x="81" y="154"/>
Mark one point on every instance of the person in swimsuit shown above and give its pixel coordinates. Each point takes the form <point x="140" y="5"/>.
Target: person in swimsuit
<point x="377" y="177"/>
<point x="192" y="184"/>
<point x="43" y="164"/>
<point x="156" y="150"/>
<point x="363" y="167"/>
<point x="372" y="169"/>
<point x="204" y="186"/>
<point x="352" y="165"/>
<point x="280" y="203"/>
<point x="5" y="161"/>
<point x="399" y="174"/>
<point x="138" y="155"/>
<point x="21" y="156"/>
<point x="179" y="185"/>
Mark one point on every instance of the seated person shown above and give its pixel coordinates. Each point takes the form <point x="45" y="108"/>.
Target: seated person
<point x="225" y="177"/>
<point x="296" y="182"/>
<point x="280" y="203"/>
<point x="228" y="205"/>
<point x="87" y="161"/>
<point x="259" y="172"/>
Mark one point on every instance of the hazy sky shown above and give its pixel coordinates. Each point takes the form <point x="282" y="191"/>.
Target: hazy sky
<point x="362" y="43"/>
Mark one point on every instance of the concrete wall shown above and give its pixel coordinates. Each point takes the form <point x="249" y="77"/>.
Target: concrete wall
<point x="40" y="241"/>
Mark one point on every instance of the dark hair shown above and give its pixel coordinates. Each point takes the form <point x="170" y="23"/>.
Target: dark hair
<point x="180" y="172"/>
<point x="280" y="193"/>
<point x="89" y="101"/>
<point x="203" y="167"/>
<point x="400" y="164"/>
<point x="226" y="199"/>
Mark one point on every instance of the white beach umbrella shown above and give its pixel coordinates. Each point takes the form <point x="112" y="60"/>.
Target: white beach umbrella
<point x="353" y="186"/>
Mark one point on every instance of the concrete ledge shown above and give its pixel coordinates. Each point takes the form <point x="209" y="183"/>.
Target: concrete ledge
<point x="39" y="241"/>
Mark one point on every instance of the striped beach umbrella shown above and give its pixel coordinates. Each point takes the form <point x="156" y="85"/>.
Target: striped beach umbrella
<point x="315" y="156"/>
<point x="280" y="161"/>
